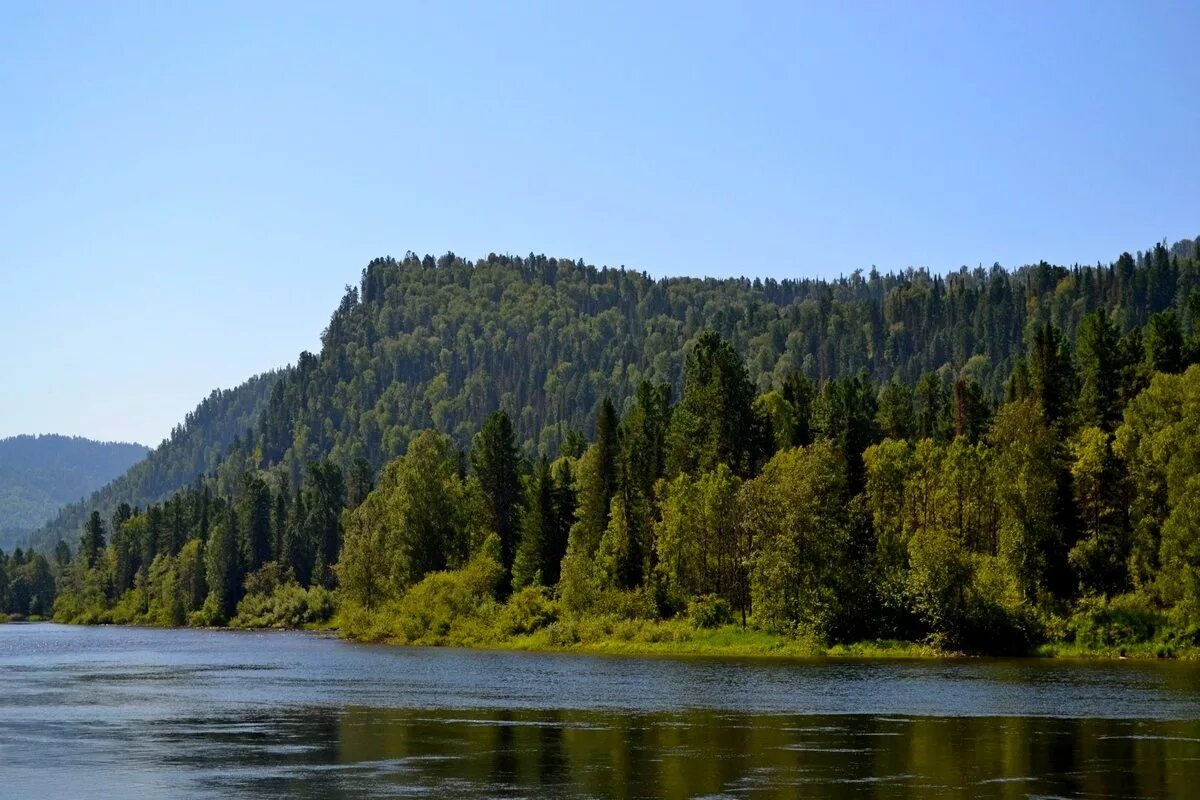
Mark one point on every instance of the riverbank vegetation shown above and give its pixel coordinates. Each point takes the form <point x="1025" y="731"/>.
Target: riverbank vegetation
<point x="1050" y="506"/>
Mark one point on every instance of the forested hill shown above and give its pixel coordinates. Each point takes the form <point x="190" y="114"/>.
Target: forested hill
<point x="440" y="344"/>
<point x="425" y="343"/>
<point x="38" y="474"/>
<point x="193" y="449"/>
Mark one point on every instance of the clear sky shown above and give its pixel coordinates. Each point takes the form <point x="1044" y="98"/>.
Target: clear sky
<point x="186" y="188"/>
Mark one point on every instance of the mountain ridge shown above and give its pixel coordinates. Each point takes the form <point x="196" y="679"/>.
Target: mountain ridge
<point x="41" y="472"/>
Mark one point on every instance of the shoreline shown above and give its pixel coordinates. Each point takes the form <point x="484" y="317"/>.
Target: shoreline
<point x="728" y="642"/>
<point x="736" y="643"/>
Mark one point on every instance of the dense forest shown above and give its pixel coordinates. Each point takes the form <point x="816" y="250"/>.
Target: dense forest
<point x="984" y="462"/>
<point x="193" y="449"/>
<point x="40" y="474"/>
<point x="424" y="343"/>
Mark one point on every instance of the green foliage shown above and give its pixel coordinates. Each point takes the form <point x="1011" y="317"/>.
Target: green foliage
<point x="1179" y="579"/>
<point x="797" y="508"/>
<point x="40" y="474"/>
<point x="1025" y="474"/>
<point x="971" y="527"/>
<point x="528" y="610"/>
<point x="194" y="448"/>
<point x="700" y="547"/>
<point x="423" y="517"/>
<point x="91" y="544"/>
<point x="545" y="525"/>
<point x="288" y="605"/>
<point x="1100" y="557"/>
<point x="223" y="570"/>
<point x="619" y="556"/>
<point x="497" y="466"/>
<point x="709" y="611"/>
<point x="443" y="607"/>
<point x="716" y="421"/>
<point x="1100" y="366"/>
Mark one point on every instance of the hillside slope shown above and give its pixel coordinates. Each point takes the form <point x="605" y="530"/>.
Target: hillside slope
<point x="440" y="343"/>
<point x="194" y="448"/>
<point x="39" y="474"/>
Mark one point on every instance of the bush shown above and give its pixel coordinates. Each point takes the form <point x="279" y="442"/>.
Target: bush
<point x="630" y="604"/>
<point x="288" y="606"/>
<point x="130" y="609"/>
<point x="709" y="611"/>
<point x="1101" y="623"/>
<point x="451" y="607"/>
<point x="526" y="611"/>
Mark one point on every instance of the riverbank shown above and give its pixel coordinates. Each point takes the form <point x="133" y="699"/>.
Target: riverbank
<point x="668" y="639"/>
<point x="445" y="611"/>
<point x="611" y="636"/>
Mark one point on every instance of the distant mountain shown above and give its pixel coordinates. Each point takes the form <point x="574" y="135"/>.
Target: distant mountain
<point x="40" y="474"/>
<point x="194" y="448"/>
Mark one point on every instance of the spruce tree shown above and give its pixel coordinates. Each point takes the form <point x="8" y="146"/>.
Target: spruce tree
<point x="497" y="464"/>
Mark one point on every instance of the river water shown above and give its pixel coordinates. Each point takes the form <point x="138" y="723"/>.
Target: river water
<point x="131" y="712"/>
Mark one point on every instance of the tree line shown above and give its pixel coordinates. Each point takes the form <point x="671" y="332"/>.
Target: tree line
<point x="439" y="343"/>
<point x="840" y="509"/>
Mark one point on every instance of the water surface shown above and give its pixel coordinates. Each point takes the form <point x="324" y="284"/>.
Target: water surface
<point x="128" y="712"/>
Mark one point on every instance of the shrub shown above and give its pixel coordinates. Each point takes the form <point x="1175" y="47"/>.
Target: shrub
<point x="526" y="611"/>
<point x="1102" y="623"/>
<point x="451" y="607"/>
<point x="709" y="611"/>
<point x="626" y="603"/>
<point x="288" y="606"/>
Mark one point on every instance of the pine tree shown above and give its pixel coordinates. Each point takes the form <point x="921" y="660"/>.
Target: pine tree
<point x="1051" y="374"/>
<point x="539" y="524"/>
<point x="1098" y="351"/>
<point x="497" y="464"/>
<point x="715" y="421"/>
<point x="254" y="512"/>
<point x="362" y="481"/>
<point x="325" y="498"/>
<point x="223" y="567"/>
<point x="91" y="545"/>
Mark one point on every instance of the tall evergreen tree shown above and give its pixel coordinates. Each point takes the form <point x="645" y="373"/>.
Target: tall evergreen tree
<point x="1098" y="351"/>
<point x="91" y="545"/>
<point x="224" y="567"/>
<point x="254" y="512"/>
<point x="895" y="416"/>
<point x="930" y="402"/>
<point x="715" y="421"/>
<point x="800" y="391"/>
<point x="362" y="481"/>
<point x="539" y="525"/>
<point x="1051" y="373"/>
<point x="1164" y="343"/>
<point x="325" y="498"/>
<point x="497" y="464"/>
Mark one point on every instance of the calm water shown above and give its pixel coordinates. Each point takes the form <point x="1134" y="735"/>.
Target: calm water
<point x="119" y="712"/>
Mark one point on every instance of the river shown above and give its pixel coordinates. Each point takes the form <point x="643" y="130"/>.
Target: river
<point x="132" y="712"/>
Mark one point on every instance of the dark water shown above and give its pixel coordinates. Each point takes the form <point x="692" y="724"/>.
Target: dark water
<point x="119" y="712"/>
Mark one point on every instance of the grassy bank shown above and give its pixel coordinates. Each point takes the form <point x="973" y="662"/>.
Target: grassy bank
<point x="611" y="636"/>
<point x="459" y="609"/>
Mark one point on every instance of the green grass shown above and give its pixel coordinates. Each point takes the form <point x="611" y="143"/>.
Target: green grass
<point x="606" y="635"/>
<point x="1132" y="650"/>
<point x="730" y="640"/>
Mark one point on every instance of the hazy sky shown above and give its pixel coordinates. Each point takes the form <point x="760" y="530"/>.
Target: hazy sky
<point x="185" y="192"/>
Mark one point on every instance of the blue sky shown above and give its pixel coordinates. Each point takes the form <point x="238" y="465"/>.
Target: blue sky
<point x="186" y="190"/>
